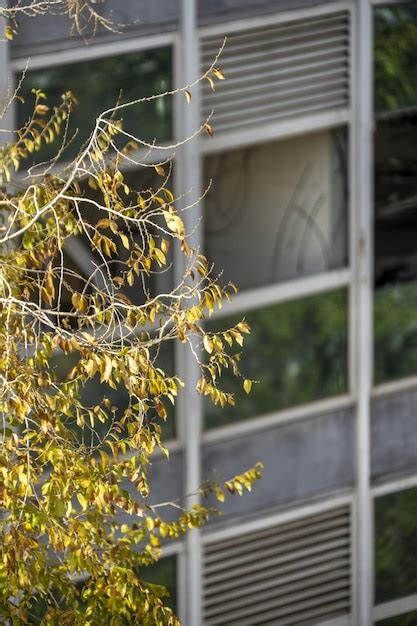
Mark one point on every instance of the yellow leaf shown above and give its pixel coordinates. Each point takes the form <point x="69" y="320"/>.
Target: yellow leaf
<point x="8" y="33"/>
<point x="90" y="367"/>
<point x="82" y="500"/>
<point x="208" y="344"/>
<point x="88" y="337"/>
<point x="107" y="369"/>
<point x="247" y="385"/>
<point x="187" y="96"/>
<point x="209" y="129"/>
<point x="125" y="240"/>
<point x="218" y="73"/>
<point x="159" y="170"/>
<point x="211" y="81"/>
<point x="103" y="223"/>
<point x="168" y="194"/>
<point x="174" y="223"/>
<point x="41" y="109"/>
<point x="79" y="302"/>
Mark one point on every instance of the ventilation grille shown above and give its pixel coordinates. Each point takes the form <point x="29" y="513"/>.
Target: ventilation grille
<point x="278" y="72"/>
<point x="293" y="574"/>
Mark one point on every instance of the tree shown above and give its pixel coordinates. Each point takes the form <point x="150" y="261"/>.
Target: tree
<point x="76" y="525"/>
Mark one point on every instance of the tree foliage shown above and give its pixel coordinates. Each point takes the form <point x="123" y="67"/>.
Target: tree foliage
<point x="77" y="525"/>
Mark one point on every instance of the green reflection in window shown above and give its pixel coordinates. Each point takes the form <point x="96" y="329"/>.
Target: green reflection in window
<point x="395" y="545"/>
<point x="395" y="322"/>
<point x="408" y="619"/>
<point x="164" y="572"/>
<point x="98" y="85"/>
<point x="298" y="352"/>
<point x="395" y="55"/>
<point x="93" y="393"/>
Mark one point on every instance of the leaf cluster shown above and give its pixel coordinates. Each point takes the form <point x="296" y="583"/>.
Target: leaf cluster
<point x="75" y="497"/>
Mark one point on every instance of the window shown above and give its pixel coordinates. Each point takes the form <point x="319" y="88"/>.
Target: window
<point x="395" y="545"/>
<point x="395" y="191"/>
<point x="164" y="572"/>
<point x="100" y="84"/>
<point x="408" y="619"/>
<point x="298" y="352"/>
<point x="277" y="211"/>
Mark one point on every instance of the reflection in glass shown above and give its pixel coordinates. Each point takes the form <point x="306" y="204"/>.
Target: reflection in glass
<point x="164" y="572"/>
<point x="297" y="351"/>
<point x="395" y="545"/>
<point x="395" y="53"/>
<point x="94" y="392"/>
<point x="277" y="211"/>
<point x="100" y="84"/>
<point x="395" y="187"/>
<point x="142" y="180"/>
<point x="395" y="328"/>
<point x="408" y="619"/>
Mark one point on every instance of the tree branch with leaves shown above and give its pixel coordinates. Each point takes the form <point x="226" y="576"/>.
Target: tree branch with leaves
<point x="75" y="499"/>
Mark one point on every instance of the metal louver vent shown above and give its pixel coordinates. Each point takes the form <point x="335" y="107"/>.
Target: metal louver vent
<point x="278" y="72"/>
<point x="292" y="574"/>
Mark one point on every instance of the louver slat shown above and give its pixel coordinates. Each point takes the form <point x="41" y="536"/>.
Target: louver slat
<point x="295" y="573"/>
<point x="279" y="72"/>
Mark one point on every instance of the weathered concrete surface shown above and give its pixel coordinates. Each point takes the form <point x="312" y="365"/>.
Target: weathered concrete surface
<point x="303" y="460"/>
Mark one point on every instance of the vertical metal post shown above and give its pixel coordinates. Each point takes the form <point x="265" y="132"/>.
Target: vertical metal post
<point x="188" y="177"/>
<point x="362" y="261"/>
<point x="6" y="91"/>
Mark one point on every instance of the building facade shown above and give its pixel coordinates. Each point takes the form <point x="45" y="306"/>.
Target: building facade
<point x="312" y="212"/>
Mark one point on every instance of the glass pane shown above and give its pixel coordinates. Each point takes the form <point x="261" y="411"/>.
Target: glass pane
<point x="297" y="351"/>
<point x="160" y="280"/>
<point x="277" y="211"/>
<point x="98" y="85"/>
<point x="395" y="192"/>
<point x="408" y="619"/>
<point x="164" y="572"/>
<point x="395" y="49"/>
<point x="395" y="332"/>
<point x="94" y="392"/>
<point x="395" y="545"/>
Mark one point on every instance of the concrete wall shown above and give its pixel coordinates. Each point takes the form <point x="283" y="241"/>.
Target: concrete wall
<point x="138" y="18"/>
<point x="394" y="434"/>
<point x="218" y="10"/>
<point x="303" y="460"/>
<point x="133" y="18"/>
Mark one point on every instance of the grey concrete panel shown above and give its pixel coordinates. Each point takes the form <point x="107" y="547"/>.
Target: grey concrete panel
<point x="136" y="18"/>
<point x="394" y="434"/>
<point x="302" y="460"/>
<point x="211" y="11"/>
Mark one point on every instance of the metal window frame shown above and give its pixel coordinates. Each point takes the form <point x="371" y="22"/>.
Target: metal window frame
<point x="395" y="608"/>
<point x="95" y="51"/>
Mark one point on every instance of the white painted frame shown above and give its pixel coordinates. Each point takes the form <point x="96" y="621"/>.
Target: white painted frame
<point x="95" y="51"/>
